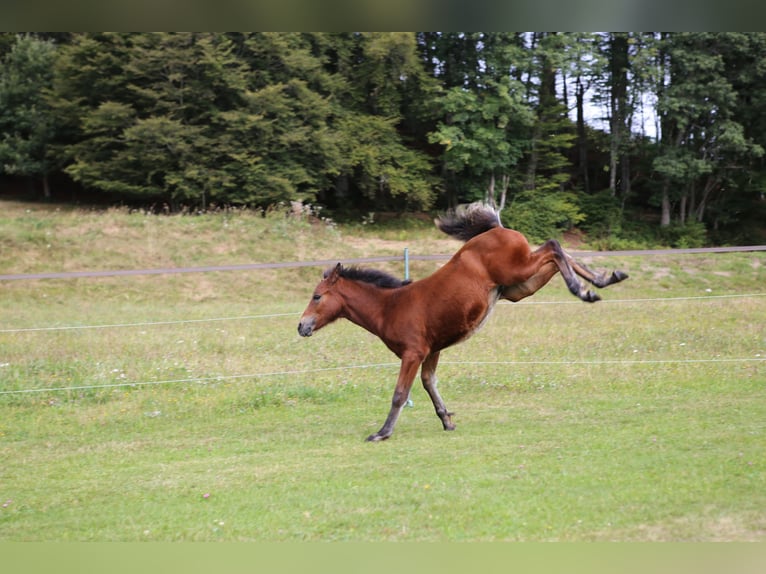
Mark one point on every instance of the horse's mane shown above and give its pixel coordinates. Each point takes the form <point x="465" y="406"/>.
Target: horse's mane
<point x="468" y="221"/>
<point x="373" y="276"/>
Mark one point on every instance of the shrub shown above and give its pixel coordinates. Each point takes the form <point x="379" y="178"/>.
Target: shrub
<point x="542" y="215"/>
<point x="602" y="214"/>
<point x="684" y="235"/>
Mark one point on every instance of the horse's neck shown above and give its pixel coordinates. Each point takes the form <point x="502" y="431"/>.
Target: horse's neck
<point x="364" y="305"/>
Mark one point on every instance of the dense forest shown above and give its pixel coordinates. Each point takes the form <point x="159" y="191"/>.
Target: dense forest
<point x="631" y="138"/>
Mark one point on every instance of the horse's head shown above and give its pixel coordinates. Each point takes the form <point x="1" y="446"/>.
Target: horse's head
<point x="325" y="305"/>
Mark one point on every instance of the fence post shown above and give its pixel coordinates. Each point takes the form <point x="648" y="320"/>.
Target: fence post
<point x="406" y="263"/>
<point x="409" y="402"/>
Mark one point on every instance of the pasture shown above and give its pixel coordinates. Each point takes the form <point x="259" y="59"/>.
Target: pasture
<point x="187" y="407"/>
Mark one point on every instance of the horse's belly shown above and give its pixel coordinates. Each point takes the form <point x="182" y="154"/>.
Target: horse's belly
<point x="466" y="324"/>
<point x="494" y="296"/>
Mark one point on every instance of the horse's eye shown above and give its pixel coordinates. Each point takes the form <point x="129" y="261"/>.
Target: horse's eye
<point x="316" y="297"/>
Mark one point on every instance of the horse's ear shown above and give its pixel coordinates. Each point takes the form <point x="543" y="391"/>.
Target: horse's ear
<point x="335" y="273"/>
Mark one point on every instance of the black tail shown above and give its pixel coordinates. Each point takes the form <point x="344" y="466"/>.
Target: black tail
<point x="468" y="221"/>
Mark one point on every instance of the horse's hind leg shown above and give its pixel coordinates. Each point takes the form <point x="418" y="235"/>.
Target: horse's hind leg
<point x="428" y="376"/>
<point x="532" y="285"/>
<point x="570" y="268"/>
<point x="553" y="249"/>
<point x="550" y="259"/>
<point x="600" y="280"/>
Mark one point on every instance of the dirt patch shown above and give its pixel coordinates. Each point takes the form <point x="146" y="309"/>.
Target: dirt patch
<point x="714" y="529"/>
<point x="372" y="244"/>
<point x="573" y="239"/>
<point x="662" y="273"/>
<point x="375" y="246"/>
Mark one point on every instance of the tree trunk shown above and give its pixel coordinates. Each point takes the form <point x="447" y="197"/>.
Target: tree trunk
<point x="691" y="206"/>
<point x="711" y="185"/>
<point x="625" y="178"/>
<point x="618" y="102"/>
<point x="665" y="217"/>
<point x="533" y="157"/>
<point x="46" y="187"/>
<point x="613" y="161"/>
<point x="664" y="133"/>
<point x="490" y="197"/>
<point x="506" y="179"/>
<point x="582" y="138"/>
<point x="546" y="100"/>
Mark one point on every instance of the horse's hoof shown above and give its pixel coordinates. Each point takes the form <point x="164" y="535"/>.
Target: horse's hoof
<point x="618" y="276"/>
<point x="375" y="438"/>
<point x="591" y="297"/>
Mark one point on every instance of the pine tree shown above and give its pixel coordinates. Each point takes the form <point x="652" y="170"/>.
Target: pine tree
<point x="27" y="126"/>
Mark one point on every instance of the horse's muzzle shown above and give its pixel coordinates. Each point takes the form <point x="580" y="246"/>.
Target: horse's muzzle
<point x="306" y="327"/>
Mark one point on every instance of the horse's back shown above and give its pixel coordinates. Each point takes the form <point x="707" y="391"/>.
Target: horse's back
<point x="499" y="239"/>
<point x="499" y="255"/>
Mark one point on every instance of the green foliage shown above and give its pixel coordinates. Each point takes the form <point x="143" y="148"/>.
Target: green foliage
<point x="483" y="116"/>
<point x="602" y="214"/>
<point x="371" y="150"/>
<point x="542" y="215"/>
<point x="689" y="234"/>
<point x="704" y="142"/>
<point x="388" y="121"/>
<point x="481" y="134"/>
<point x="27" y="126"/>
<point x="547" y="162"/>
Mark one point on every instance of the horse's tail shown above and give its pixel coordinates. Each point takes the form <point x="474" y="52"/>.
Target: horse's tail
<point x="468" y="221"/>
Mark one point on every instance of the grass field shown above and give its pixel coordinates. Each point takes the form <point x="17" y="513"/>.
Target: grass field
<point x="195" y="412"/>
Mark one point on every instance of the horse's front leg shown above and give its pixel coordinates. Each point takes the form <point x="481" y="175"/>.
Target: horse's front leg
<point x="407" y="374"/>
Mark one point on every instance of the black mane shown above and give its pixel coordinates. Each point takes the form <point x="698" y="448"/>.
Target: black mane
<point x="373" y="276"/>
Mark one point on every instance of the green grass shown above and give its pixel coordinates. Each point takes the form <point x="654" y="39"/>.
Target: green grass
<point x="624" y="420"/>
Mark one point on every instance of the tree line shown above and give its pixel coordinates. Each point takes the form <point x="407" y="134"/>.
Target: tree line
<point x="622" y="135"/>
